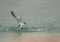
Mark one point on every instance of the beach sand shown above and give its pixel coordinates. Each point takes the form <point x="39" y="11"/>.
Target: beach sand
<point x="32" y="37"/>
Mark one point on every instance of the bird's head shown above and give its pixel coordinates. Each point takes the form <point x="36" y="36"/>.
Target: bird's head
<point x="24" y="22"/>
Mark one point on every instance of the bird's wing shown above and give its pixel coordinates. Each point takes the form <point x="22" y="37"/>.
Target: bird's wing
<point x="20" y="19"/>
<point x="13" y="14"/>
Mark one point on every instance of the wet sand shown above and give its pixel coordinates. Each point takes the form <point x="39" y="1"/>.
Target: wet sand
<point x="31" y="37"/>
<point x="41" y="37"/>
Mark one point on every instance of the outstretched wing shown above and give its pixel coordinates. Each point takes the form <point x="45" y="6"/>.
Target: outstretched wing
<point x="20" y="19"/>
<point x="13" y="14"/>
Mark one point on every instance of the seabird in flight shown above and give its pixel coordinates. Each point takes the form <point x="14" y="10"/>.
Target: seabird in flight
<point x="19" y="20"/>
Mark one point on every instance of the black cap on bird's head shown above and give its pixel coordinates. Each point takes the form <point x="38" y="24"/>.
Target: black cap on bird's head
<point x="24" y="22"/>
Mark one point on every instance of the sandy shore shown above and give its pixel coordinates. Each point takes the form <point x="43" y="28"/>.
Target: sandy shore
<point x="32" y="37"/>
<point x="40" y="37"/>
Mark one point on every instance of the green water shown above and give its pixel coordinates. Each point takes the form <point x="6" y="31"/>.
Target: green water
<point x="38" y="14"/>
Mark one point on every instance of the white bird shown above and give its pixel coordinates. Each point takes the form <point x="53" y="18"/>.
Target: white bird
<point x="19" y="20"/>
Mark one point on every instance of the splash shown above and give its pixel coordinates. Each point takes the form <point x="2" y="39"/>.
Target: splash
<point x="30" y="29"/>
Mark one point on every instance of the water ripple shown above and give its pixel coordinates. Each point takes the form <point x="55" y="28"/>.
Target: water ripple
<point x="29" y="29"/>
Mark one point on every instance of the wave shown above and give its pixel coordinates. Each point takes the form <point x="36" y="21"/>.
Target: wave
<point x="51" y="29"/>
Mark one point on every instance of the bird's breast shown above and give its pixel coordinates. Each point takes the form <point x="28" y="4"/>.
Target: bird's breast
<point x="21" y="23"/>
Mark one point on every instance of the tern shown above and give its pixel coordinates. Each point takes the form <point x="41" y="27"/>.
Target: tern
<point x="18" y="19"/>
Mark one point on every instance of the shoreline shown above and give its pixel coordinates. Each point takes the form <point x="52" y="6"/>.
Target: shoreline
<point x="31" y="37"/>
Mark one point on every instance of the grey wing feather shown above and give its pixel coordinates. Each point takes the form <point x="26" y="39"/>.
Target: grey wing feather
<point x="20" y="19"/>
<point x="13" y="14"/>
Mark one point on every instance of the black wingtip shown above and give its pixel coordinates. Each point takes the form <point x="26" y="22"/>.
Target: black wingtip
<point x="11" y="11"/>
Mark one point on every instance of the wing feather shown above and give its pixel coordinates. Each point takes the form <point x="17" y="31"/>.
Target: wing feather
<point x="13" y="14"/>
